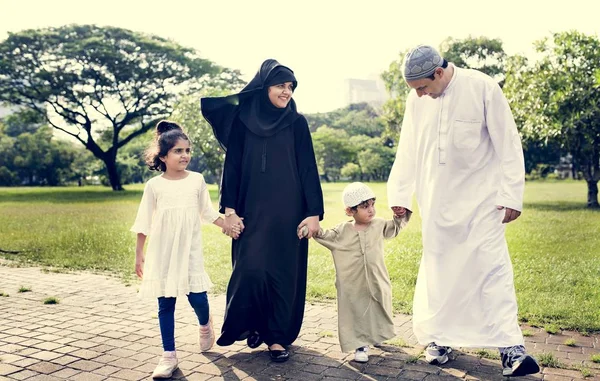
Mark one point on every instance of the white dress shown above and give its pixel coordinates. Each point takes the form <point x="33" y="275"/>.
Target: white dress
<point x="461" y="154"/>
<point x="171" y="213"/>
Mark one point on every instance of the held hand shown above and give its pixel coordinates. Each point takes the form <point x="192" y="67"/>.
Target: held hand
<point x="312" y="224"/>
<point x="233" y="233"/>
<point x="302" y="232"/>
<point x="510" y="214"/>
<point x="234" y="226"/>
<point x="399" y="211"/>
<point x="139" y="266"/>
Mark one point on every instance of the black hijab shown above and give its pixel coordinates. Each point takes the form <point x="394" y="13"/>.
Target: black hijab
<point x="252" y="104"/>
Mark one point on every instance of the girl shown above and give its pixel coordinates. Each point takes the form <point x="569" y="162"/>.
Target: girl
<point x="364" y="291"/>
<point x="172" y="208"/>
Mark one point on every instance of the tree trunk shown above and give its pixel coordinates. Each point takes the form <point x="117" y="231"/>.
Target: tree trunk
<point x="592" y="194"/>
<point x="113" y="173"/>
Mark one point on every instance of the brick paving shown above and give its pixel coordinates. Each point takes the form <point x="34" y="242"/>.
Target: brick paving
<point x="100" y="330"/>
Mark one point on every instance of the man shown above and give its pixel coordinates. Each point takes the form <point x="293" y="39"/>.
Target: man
<point x="461" y="153"/>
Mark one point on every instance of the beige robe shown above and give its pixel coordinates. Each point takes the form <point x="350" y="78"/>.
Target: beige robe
<point x="364" y="291"/>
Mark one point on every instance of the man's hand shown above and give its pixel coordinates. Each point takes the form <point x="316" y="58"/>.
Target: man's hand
<point x="510" y="214"/>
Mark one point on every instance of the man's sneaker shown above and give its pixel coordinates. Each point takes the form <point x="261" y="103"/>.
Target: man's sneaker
<point x="436" y="354"/>
<point x="361" y="354"/>
<point x="515" y="362"/>
<point x="166" y="365"/>
<point x="206" y="336"/>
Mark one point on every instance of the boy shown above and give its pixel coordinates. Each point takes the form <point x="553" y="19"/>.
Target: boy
<point x="364" y="291"/>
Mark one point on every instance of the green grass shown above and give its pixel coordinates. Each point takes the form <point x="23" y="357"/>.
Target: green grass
<point x="548" y="360"/>
<point x="595" y="358"/>
<point x="24" y="289"/>
<point x="51" y="300"/>
<point x="3" y="294"/>
<point x="553" y="245"/>
<point x="397" y="342"/>
<point x="570" y="342"/>
<point x="585" y="372"/>
<point x="551" y="328"/>
<point x="488" y="354"/>
<point x="527" y="332"/>
<point x="326" y="334"/>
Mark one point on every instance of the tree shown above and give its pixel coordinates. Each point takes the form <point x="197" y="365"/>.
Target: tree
<point x="31" y="155"/>
<point x="207" y="151"/>
<point x="351" y="171"/>
<point x="374" y="158"/>
<point x="87" y="80"/>
<point x="393" y="108"/>
<point x="481" y="53"/>
<point x="360" y="119"/>
<point x="556" y="100"/>
<point x="332" y="151"/>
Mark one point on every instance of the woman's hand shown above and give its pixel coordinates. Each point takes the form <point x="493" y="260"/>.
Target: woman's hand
<point x="312" y="224"/>
<point x="234" y="225"/>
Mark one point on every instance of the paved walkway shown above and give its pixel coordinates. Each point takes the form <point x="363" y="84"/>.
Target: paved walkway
<point x="100" y="330"/>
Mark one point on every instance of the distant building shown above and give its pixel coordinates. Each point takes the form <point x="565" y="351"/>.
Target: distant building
<point x="371" y="91"/>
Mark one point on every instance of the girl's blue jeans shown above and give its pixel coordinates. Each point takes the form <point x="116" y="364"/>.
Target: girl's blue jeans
<point x="166" y="316"/>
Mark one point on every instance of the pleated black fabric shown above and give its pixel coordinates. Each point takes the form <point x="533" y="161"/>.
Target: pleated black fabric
<point x="270" y="178"/>
<point x="273" y="183"/>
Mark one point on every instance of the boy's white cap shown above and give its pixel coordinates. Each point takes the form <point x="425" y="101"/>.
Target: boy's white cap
<point x="355" y="193"/>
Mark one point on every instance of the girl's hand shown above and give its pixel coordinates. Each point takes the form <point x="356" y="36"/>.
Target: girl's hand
<point x="232" y="231"/>
<point x="312" y="224"/>
<point x="234" y="226"/>
<point x="139" y="266"/>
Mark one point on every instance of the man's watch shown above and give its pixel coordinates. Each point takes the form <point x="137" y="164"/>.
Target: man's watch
<point x="230" y="213"/>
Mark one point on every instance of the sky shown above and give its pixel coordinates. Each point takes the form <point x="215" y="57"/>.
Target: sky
<point x="325" y="42"/>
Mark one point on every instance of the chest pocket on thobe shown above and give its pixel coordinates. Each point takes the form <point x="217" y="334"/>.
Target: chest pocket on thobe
<point x="466" y="134"/>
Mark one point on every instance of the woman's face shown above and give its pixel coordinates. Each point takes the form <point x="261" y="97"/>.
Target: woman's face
<point x="281" y="94"/>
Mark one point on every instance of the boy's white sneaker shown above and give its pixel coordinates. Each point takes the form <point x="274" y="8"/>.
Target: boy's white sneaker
<point x="166" y="365"/>
<point x="206" y="336"/>
<point x="361" y="354"/>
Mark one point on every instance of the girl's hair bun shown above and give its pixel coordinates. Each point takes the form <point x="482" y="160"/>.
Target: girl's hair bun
<point x="165" y="126"/>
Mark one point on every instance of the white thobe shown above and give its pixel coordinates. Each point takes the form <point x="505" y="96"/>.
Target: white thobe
<point x="462" y="156"/>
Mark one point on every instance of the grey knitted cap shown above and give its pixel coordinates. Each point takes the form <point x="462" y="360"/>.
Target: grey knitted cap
<point x="421" y="62"/>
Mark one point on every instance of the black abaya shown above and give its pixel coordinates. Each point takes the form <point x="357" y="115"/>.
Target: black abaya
<point x="273" y="183"/>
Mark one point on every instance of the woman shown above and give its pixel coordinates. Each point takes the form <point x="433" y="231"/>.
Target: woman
<point x="270" y="188"/>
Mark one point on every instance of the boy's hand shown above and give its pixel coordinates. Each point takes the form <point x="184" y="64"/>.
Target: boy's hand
<point x="399" y="211"/>
<point x="302" y="232"/>
<point x="509" y="215"/>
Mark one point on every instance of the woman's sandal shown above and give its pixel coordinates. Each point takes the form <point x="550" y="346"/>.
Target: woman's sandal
<point x="254" y="340"/>
<point x="279" y="355"/>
